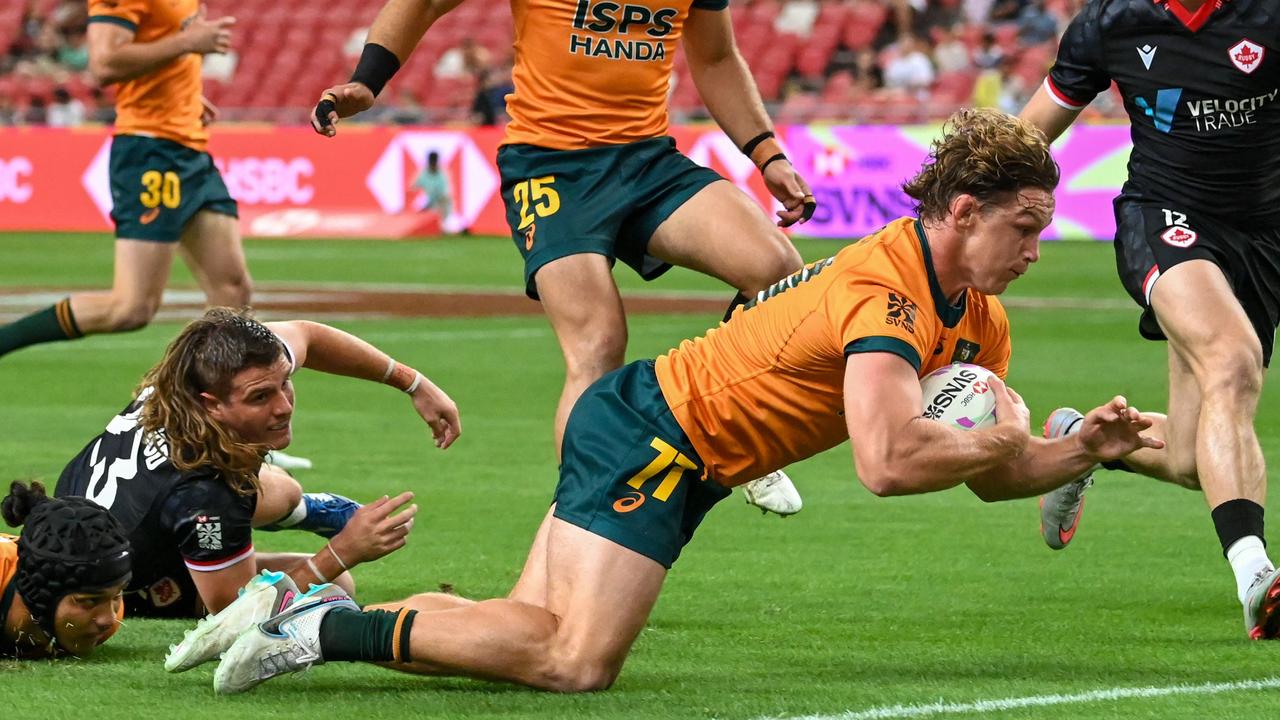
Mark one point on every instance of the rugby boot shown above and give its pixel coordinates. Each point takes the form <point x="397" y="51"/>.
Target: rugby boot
<point x="774" y="493"/>
<point x="265" y="595"/>
<point x="1060" y="509"/>
<point x="287" y="642"/>
<point x="1262" y="606"/>
<point x="285" y="461"/>
<point x="327" y="513"/>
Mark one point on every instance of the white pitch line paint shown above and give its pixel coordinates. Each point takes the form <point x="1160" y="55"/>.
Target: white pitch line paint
<point x="892" y="712"/>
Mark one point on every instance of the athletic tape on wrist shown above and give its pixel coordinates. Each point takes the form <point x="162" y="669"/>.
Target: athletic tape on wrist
<point x="376" y="67"/>
<point x="754" y="142"/>
<point x="334" y="553"/>
<point x="391" y="367"/>
<point x="772" y="158"/>
<point x="417" y="380"/>
<point x="311" y="565"/>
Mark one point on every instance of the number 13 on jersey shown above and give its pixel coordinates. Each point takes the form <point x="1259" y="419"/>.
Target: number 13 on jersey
<point x="538" y="196"/>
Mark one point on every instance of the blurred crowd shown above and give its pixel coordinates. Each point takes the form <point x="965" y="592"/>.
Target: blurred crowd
<point x="840" y="60"/>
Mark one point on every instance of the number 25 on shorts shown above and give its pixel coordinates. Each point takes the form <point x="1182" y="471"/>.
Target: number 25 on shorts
<point x="669" y="459"/>
<point x="536" y="195"/>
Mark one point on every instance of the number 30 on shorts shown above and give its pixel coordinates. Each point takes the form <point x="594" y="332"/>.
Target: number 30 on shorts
<point x="161" y="188"/>
<point x="669" y="459"/>
<point x="537" y="195"/>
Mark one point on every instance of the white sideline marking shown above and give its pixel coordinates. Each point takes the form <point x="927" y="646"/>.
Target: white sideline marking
<point x="888" y="712"/>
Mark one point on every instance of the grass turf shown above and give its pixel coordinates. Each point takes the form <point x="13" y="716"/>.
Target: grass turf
<point x="858" y="602"/>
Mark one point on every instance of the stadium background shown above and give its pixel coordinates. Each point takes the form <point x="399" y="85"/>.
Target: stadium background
<point x="860" y="606"/>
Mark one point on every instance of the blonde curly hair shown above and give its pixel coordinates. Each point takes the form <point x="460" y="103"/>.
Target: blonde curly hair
<point x="205" y="357"/>
<point x="984" y="153"/>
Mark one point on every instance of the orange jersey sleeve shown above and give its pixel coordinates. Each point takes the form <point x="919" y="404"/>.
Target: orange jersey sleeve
<point x="164" y="103"/>
<point x="594" y="72"/>
<point x="766" y="389"/>
<point x="8" y="560"/>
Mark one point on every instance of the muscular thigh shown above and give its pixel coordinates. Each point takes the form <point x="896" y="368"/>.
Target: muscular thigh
<point x="722" y="232"/>
<point x="278" y="494"/>
<point x="211" y="247"/>
<point x="1200" y="314"/>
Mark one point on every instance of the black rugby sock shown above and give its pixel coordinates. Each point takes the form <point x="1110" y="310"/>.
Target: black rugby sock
<point x="1236" y="519"/>
<point x="369" y="636"/>
<point x="48" y="325"/>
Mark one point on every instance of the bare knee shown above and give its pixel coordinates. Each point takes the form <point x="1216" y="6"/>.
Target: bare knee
<point x="574" y="674"/>
<point x="233" y="292"/>
<point x="131" y="314"/>
<point x="772" y="262"/>
<point x="595" y="352"/>
<point x="1233" y="374"/>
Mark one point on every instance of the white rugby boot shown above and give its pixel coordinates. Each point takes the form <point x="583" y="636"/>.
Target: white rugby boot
<point x="774" y="493"/>
<point x="265" y="595"/>
<point x="287" y="642"/>
<point x="1060" y="509"/>
<point x="1262" y="606"/>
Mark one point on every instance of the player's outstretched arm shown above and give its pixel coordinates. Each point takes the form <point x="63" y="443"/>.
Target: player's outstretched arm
<point x="1110" y="432"/>
<point x="328" y="349"/>
<point x="114" y="56"/>
<point x="728" y="90"/>
<point x="395" y="32"/>
<point x="898" y="452"/>
<point x="1046" y="114"/>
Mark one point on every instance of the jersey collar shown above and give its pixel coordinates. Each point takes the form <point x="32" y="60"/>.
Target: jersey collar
<point x="949" y="314"/>
<point x="1193" y="21"/>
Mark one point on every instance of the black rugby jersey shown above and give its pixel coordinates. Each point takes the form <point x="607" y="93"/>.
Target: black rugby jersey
<point x="1202" y="91"/>
<point x="177" y="521"/>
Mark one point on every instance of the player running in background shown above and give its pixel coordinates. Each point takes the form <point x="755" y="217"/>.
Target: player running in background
<point x="589" y="175"/>
<point x="1197" y="245"/>
<point x="62" y="577"/>
<point x="834" y="352"/>
<point x="182" y="466"/>
<point x="167" y="195"/>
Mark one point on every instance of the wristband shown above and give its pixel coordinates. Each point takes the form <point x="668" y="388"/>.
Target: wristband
<point x="779" y="156"/>
<point x="403" y="378"/>
<point x="376" y="67"/>
<point x="334" y="553"/>
<point x="311" y="565"/>
<point x="417" y="380"/>
<point x="391" y="367"/>
<point x="755" y="141"/>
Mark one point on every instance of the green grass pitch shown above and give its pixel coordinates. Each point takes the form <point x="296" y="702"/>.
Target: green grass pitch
<point x="855" y="605"/>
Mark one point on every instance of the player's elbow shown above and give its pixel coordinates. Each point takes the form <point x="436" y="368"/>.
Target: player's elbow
<point x="881" y="480"/>
<point x="102" y="71"/>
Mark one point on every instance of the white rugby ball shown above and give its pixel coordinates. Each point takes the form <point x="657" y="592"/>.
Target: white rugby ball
<point x="960" y="396"/>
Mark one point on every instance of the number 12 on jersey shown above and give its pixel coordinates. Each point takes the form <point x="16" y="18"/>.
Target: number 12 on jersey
<point x="536" y="195"/>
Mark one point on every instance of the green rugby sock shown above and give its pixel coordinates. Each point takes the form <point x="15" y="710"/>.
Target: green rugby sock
<point x="369" y="636"/>
<point x="51" y="324"/>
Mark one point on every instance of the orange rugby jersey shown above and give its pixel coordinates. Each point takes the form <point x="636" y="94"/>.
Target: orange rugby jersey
<point x="164" y="103"/>
<point x="765" y="389"/>
<point x="593" y="72"/>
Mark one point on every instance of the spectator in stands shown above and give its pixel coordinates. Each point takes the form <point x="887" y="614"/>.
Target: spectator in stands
<point x="910" y="68"/>
<point x="73" y="53"/>
<point x="66" y="111"/>
<point x="37" y="112"/>
<point x="988" y="56"/>
<point x="951" y="54"/>
<point x="9" y="115"/>
<point x="104" y="109"/>
<point x="1036" y="24"/>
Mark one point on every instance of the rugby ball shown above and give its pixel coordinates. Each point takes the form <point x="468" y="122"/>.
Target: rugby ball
<point x="960" y="395"/>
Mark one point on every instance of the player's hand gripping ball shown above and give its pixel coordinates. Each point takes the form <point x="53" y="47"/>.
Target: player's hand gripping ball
<point x="960" y="395"/>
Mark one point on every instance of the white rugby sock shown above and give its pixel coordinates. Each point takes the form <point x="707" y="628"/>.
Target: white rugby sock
<point x="1248" y="557"/>
<point x="299" y="513"/>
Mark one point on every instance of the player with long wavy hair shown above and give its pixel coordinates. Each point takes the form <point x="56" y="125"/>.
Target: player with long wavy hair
<point x="181" y="467"/>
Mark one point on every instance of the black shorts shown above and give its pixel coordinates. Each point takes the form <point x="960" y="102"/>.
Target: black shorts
<point x="1152" y="237"/>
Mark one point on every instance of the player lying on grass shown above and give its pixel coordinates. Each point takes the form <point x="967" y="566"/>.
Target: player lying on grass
<point x="181" y="467"/>
<point x="62" y="577"/>
<point x="834" y="352"/>
<point x="1197" y="247"/>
